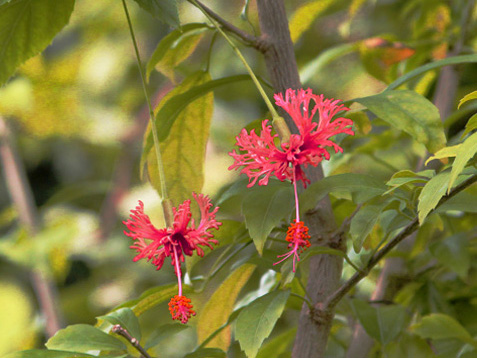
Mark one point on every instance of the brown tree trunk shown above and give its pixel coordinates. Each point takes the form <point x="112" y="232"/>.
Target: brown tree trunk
<point x="325" y="270"/>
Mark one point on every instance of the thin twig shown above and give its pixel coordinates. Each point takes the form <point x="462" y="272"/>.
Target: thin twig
<point x="22" y="197"/>
<point x="118" y="329"/>
<point x="243" y="35"/>
<point x="333" y="299"/>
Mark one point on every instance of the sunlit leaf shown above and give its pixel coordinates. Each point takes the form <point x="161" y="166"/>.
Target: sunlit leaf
<point x="164" y="10"/>
<point x="431" y="194"/>
<point x="183" y="151"/>
<point x="84" y="338"/>
<point x="471" y="125"/>
<point x="446" y="152"/>
<point x="126" y="318"/>
<point x="464" y="153"/>
<point x="305" y="15"/>
<point x="26" y="28"/>
<point x="362" y="187"/>
<point x="219" y="307"/>
<point x="256" y="321"/>
<point x="175" y="48"/>
<point x="467" y="97"/>
<point x="411" y="113"/>
<point x="264" y="208"/>
<point x="441" y="326"/>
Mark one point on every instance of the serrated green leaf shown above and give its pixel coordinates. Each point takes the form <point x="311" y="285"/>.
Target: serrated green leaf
<point x="441" y="326"/>
<point x="446" y="152"/>
<point x="467" y="97"/>
<point x="220" y="306"/>
<point x="264" y="208"/>
<point x="363" y="222"/>
<point x="277" y="345"/>
<point x="83" y="338"/>
<point x="470" y="126"/>
<point x="256" y="321"/>
<point x="183" y="151"/>
<point x="431" y="194"/>
<point x="453" y="252"/>
<point x="175" y="48"/>
<point x="207" y="353"/>
<point x="127" y="319"/>
<point x="363" y="187"/>
<point x="26" y="28"/>
<point x="465" y="152"/>
<point x="383" y="323"/>
<point x="43" y="353"/>
<point x="431" y="66"/>
<point x="164" y="10"/>
<point x="304" y="16"/>
<point x="164" y="332"/>
<point x="410" y="112"/>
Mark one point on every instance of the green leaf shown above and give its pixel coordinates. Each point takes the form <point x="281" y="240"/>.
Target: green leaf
<point x="175" y="48"/>
<point x="26" y="28"/>
<point x="431" y="194"/>
<point x="467" y="97"/>
<point x="431" y="66"/>
<point x="383" y="323"/>
<point x="43" y="353"/>
<point x="127" y="319"/>
<point x="207" y="353"/>
<point x="304" y="16"/>
<point x="183" y="151"/>
<point x="311" y="68"/>
<point x="441" y="326"/>
<point x="275" y="346"/>
<point x="453" y="252"/>
<point x="176" y="101"/>
<point x="463" y="201"/>
<point x="256" y="321"/>
<point x="464" y="153"/>
<point x="155" y="296"/>
<point x="446" y="152"/>
<point x="164" y="332"/>
<point x="264" y="208"/>
<point x="164" y="10"/>
<point x="83" y="338"/>
<point x="220" y="306"/>
<point x="409" y="346"/>
<point x="363" y="188"/>
<point x="404" y="177"/>
<point x="410" y="112"/>
<point x="470" y="126"/>
<point x="363" y="222"/>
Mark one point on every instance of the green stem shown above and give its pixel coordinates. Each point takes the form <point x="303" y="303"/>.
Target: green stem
<point x="240" y="56"/>
<point x="160" y="166"/>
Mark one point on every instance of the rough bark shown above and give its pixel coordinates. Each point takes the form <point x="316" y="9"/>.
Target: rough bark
<point x="325" y="270"/>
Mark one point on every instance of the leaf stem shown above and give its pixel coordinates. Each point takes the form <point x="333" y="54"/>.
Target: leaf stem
<point x="240" y="56"/>
<point x="160" y="166"/>
<point x="118" y="329"/>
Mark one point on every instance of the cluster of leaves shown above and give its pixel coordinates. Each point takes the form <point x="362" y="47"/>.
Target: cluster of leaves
<point x="241" y="294"/>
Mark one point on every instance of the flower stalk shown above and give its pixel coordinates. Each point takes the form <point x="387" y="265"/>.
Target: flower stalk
<point x="157" y="148"/>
